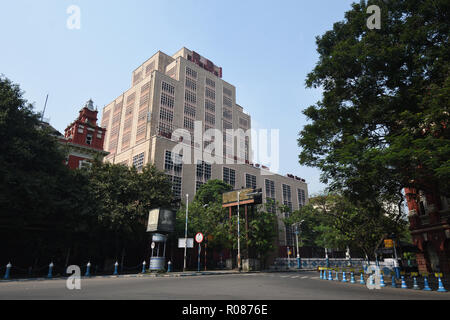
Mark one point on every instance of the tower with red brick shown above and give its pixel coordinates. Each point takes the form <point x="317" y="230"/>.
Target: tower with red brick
<point x="84" y="138"/>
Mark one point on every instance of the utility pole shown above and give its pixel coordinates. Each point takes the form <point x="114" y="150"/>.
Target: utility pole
<point x="185" y="232"/>
<point x="239" y="234"/>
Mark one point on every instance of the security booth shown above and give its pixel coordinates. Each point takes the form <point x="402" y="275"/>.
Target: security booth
<point x="161" y="223"/>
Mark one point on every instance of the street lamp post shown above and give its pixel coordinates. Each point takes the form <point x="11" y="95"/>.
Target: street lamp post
<point x="239" y="233"/>
<point x="185" y="232"/>
<point x="297" y="232"/>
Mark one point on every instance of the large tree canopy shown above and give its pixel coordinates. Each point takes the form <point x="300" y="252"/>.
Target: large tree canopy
<point x="382" y="123"/>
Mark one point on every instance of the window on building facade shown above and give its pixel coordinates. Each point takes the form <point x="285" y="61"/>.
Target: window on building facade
<point x="287" y="201"/>
<point x="203" y="171"/>
<point x="229" y="176"/>
<point x="191" y="84"/>
<point x="191" y="73"/>
<point x="210" y="83"/>
<point x="166" y="115"/>
<point x="301" y="197"/>
<point x="168" y="88"/>
<point x="89" y="139"/>
<point x="210" y="118"/>
<point x="190" y="97"/>
<point x="174" y="169"/>
<point x="138" y="161"/>
<point x="189" y="110"/>
<point x="210" y="105"/>
<point x="228" y="92"/>
<point x="209" y="93"/>
<point x="250" y="181"/>
<point x="167" y="100"/>
<point x="227" y="102"/>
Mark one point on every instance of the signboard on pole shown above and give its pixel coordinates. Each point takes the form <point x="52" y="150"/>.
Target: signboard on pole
<point x="199" y="238"/>
<point x="389" y="243"/>
<point x="182" y="243"/>
<point x="161" y="220"/>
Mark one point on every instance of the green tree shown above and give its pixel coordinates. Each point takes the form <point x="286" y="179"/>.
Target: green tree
<point x="333" y="221"/>
<point x="123" y="198"/>
<point x="382" y="123"/>
<point x="39" y="196"/>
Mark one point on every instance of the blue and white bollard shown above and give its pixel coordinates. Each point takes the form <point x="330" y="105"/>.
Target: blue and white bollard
<point x="394" y="284"/>
<point x="404" y="286"/>
<point x="336" y="278"/>
<point x="352" y="278"/>
<point x="299" y="263"/>
<point x="426" y="286"/>
<point x="441" y="286"/>
<point x="50" y="270"/>
<point x="320" y="271"/>
<point x="416" y="285"/>
<point x="344" y="278"/>
<point x="169" y="266"/>
<point x="382" y="284"/>
<point x="116" y="269"/>
<point x="361" y="281"/>
<point x="88" y="270"/>
<point x="143" y="266"/>
<point x="372" y="279"/>
<point x="8" y="271"/>
<point x="330" y="276"/>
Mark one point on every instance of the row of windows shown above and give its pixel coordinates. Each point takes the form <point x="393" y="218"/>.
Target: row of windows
<point x="118" y="107"/>
<point x="210" y="83"/>
<point x="138" y="161"/>
<point x="191" y="84"/>
<point x="191" y="73"/>
<point x="166" y="115"/>
<point x="165" y="130"/>
<point x="166" y="87"/>
<point x="167" y="100"/>
<point x="189" y="110"/>
<point x="131" y="98"/>
<point x="144" y="100"/>
<point x="210" y="105"/>
<point x="173" y="164"/>
<point x="301" y="197"/>
<point x="176" y="185"/>
<point x="145" y="88"/>
<point x="189" y="123"/>
<point x="190" y="97"/>
<point x="203" y="171"/>
<point x="209" y="93"/>
<point x="229" y="176"/>
<point x="137" y="78"/>
<point x="250" y="181"/>
<point x="227" y="102"/>
<point x="210" y="118"/>
<point x="228" y="92"/>
<point x="227" y="114"/>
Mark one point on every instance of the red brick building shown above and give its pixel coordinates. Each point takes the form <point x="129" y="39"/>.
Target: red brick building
<point x="84" y="138"/>
<point x="429" y="215"/>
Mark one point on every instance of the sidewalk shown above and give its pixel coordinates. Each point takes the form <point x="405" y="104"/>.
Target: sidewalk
<point x="159" y="275"/>
<point x="138" y="275"/>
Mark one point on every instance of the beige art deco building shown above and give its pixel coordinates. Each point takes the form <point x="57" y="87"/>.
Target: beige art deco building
<point x="186" y="91"/>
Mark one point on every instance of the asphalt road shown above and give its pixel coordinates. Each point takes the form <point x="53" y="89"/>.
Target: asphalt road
<point x="257" y="286"/>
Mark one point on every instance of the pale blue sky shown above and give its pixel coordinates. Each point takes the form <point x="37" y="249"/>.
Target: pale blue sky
<point x="266" y="49"/>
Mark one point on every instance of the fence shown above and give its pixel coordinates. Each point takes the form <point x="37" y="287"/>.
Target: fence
<point x="11" y="271"/>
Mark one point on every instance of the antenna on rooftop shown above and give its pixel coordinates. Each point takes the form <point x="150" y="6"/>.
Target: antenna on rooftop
<point x="45" y="106"/>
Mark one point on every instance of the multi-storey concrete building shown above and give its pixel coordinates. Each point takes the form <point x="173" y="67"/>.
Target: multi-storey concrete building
<point x="180" y="92"/>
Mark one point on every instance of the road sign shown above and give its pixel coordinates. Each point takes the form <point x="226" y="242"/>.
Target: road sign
<point x="182" y="243"/>
<point x="199" y="238"/>
<point x="389" y="243"/>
